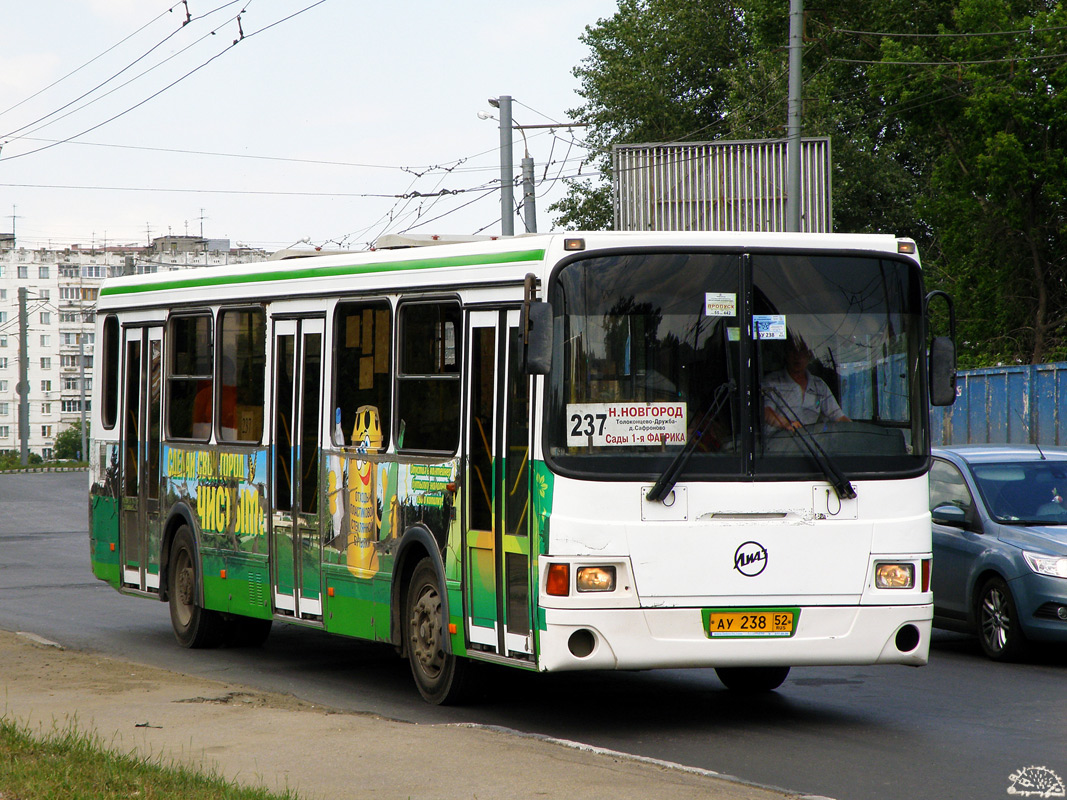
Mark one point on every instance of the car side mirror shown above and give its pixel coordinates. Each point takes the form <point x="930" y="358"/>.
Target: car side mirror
<point x="953" y="516"/>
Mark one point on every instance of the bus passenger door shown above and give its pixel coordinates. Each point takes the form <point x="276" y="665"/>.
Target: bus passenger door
<point x="496" y="579"/>
<point x="141" y="426"/>
<point x="295" y="540"/>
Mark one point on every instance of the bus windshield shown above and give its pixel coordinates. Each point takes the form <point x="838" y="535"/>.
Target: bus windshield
<point x="763" y="363"/>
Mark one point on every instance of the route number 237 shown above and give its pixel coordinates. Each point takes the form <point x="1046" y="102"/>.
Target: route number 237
<point x="590" y="427"/>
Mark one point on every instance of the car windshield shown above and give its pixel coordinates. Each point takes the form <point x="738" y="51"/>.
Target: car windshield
<point x="1030" y="492"/>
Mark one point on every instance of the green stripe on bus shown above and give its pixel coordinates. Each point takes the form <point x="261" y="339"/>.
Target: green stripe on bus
<point x="330" y="272"/>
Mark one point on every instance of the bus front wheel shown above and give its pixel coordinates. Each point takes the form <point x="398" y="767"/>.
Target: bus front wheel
<point x="752" y="679"/>
<point x="194" y="626"/>
<point x="439" y="675"/>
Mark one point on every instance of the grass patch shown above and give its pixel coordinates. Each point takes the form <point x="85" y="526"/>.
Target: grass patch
<point x="67" y="764"/>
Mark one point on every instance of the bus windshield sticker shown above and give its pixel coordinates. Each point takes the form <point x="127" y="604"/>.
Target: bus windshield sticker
<point x="720" y="304"/>
<point x="625" y="424"/>
<point x="768" y="326"/>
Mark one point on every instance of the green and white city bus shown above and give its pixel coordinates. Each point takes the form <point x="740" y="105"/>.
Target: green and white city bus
<point x="549" y="451"/>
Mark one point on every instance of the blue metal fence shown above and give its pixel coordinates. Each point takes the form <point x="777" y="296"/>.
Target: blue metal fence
<point x="1013" y="405"/>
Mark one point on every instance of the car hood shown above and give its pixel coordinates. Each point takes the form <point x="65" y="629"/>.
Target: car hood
<point x="1050" y="539"/>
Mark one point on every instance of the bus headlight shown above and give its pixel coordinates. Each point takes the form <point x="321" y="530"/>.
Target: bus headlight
<point x="894" y="576"/>
<point x="595" y="579"/>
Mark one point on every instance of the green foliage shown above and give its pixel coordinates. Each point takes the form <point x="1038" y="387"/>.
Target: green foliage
<point x="586" y="207"/>
<point x="995" y="185"/>
<point x="958" y="139"/>
<point x="67" y="763"/>
<point x="12" y="459"/>
<point x="68" y="443"/>
<point x="657" y="70"/>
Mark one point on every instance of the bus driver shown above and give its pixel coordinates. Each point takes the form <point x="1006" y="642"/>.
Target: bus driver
<point x="793" y="397"/>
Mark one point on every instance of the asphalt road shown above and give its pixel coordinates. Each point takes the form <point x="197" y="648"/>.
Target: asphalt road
<point x="959" y="727"/>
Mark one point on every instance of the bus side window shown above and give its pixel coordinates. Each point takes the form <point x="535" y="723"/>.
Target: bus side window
<point x="243" y="358"/>
<point x="362" y="336"/>
<point x="427" y="381"/>
<point x="111" y="371"/>
<point x="189" y="377"/>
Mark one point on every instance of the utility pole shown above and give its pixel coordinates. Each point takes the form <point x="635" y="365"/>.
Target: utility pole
<point x="507" y="177"/>
<point x="529" y="202"/>
<point x="793" y="128"/>
<point x="24" y="382"/>
<point x="81" y="383"/>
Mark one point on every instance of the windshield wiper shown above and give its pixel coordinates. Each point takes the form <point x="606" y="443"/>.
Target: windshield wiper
<point x="841" y="484"/>
<point x="670" y="475"/>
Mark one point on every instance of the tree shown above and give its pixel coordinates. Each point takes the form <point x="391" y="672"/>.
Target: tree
<point x="939" y="131"/>
<point x="656" y="72"/>
<point x="68" y="444"/>
<point x="995" y="187"/>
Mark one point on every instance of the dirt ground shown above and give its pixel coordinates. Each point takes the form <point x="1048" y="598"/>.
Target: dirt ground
<point x="276" y="741"/>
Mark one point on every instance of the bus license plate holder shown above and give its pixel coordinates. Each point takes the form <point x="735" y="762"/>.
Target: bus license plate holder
<point x="750" y="623"/>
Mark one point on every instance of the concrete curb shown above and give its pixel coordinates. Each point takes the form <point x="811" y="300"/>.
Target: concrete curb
<point x="43" y="469"/>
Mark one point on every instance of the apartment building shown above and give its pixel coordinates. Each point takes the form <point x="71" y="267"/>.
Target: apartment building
<point x="61" y="288"/>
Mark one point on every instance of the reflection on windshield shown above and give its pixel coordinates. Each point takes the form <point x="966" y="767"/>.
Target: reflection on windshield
<point x="643" y="339"/>
<point x="844" y="360"/>
<point x="1030" y="492"/>
<point x="642" y="358"/>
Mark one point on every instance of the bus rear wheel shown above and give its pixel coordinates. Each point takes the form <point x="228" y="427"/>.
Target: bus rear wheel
<point x="752" y="679"/>
<point x="440" y="676"/>
<point x="194" y="626"/>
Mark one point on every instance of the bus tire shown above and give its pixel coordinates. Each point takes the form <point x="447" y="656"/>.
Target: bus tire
<point x="440" y="676"/>
<point x="752" y="679"/>
<point x="194" y="626"/>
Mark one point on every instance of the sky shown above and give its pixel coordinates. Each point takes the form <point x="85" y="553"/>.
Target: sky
<point x="123" y="120"/>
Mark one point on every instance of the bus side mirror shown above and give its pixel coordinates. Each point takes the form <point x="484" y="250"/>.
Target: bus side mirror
<point x="942" y="356"/>
<point x="537" y="328"/>
<point x="942" y="371"/>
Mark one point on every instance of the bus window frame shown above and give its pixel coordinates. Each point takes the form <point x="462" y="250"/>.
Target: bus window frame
<point x="169" y="375"/>
<point x="377" y="303"/>
<point x="217" y="356"/>
<point x="400" y="377"/>
<point x="111" y="362"/>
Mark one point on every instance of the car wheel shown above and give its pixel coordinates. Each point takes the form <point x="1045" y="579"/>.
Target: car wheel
<point x="752" y="679"/>
<point x="998" y="622"/>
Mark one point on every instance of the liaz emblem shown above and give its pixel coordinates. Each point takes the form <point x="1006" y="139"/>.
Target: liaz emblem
<point x="750" y="559"/>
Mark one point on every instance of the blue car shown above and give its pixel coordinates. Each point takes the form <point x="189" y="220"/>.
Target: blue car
<point x="1000" y="545"/>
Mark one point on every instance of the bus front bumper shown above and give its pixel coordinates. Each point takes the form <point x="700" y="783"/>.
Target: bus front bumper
<point x="669" y="638"/>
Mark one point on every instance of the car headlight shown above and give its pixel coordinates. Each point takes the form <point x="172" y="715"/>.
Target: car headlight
<point x="1054" y="566"/>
